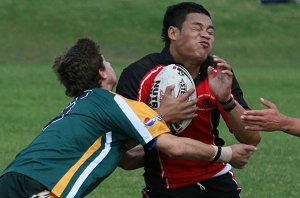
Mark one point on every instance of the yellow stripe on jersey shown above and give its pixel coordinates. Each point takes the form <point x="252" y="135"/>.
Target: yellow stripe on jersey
<point x="156" y="129"/>
<point x="64" y="181"/>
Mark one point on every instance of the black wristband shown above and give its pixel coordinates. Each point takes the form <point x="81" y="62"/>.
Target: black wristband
<point x="218" y="154"/>
<point x="227" y="102"/>
<point x="227" y="109"/>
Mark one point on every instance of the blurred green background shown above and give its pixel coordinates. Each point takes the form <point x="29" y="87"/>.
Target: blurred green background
<point x="261" y="42"/>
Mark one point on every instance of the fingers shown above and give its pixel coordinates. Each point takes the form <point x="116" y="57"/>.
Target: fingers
<point x="186" y="95"/>
<point x="250" y="113"/>
<point x="250" y="149"/>
<point x="217" y="59"/>
<point x="241" y="154"/>
<point x="253" y="115"/>
<point x="188" y="110"/>
<point x="210" y="73"/>
<point x="210" y="70"/>
<point x="192" y="102"/>
<point x="183" y="97"/>
<point x="254" y="128"/>
<point x="246" y="150"/>
<point x="253" y="123"/>
<point x="222" y="64"/>
<point x="169" y="90"/>
<point x="224" y="67"/>
<point x="174" y="109"/>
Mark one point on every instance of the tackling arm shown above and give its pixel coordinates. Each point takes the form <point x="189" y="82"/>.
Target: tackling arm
<point x="188" y="149"/>
<point x="133" y="158"/>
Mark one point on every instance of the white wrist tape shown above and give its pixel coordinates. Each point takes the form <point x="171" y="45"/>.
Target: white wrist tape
<point x="226" y="154"/>
<point x="216" y="152"/>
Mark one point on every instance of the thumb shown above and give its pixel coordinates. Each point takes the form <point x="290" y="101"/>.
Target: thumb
<point x="268" y="104"/>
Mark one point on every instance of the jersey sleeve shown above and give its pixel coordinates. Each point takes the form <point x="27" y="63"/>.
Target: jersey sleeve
<point x="142" y="123"/>
<point x="237" y="93"/>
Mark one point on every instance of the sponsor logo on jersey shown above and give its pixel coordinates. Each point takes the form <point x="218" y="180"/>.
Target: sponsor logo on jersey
<point x="151" y="121"/>
<point x="206" y="102"/>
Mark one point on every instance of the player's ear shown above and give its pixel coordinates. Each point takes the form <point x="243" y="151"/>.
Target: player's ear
<point x="173" y="32"/>
<point x="102" y="74"/>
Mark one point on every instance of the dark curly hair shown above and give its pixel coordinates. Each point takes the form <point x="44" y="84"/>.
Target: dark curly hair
<point x="77" y="68"/>
<point x="176" y="14"/>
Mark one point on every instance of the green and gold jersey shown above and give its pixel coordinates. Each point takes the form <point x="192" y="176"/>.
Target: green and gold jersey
<point x="83" y="145"/>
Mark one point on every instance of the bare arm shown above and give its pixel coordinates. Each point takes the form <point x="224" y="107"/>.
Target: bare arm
<point x="188" y="149"/>
<point x="270" y="119"/>
<point x="220" y="84"/>
<point x="133" y="158"/>
<point x="242" y="134"/>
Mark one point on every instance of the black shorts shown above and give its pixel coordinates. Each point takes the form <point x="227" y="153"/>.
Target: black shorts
<point x="16" y="185"/>
<point x="223" y="186"/>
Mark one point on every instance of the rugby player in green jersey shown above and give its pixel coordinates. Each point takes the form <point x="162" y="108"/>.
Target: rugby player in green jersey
<point x="84" y="144"/>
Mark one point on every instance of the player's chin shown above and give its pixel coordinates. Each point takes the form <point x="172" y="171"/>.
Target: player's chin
<point x="202" y="55"/>
<point x="202" y="52"/>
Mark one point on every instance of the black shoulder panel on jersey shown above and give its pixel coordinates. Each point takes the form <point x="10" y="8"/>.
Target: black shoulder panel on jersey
<point x="132" y="75"/>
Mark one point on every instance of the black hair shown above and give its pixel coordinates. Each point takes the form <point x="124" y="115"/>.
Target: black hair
<point x="176" y="14"/>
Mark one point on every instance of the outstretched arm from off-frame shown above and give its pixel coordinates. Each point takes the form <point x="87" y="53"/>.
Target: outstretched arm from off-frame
<point x="270" y="119"/>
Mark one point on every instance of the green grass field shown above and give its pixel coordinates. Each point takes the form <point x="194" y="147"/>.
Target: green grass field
<point x="261" y="43"/>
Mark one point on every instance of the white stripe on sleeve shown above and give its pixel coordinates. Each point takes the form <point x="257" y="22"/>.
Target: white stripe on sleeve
<point x="134" y="119"/>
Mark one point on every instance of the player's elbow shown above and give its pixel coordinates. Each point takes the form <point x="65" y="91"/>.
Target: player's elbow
<point x="127" y="165"/>
<point x="256" y="140"/>
<point x="132" y="160"/>
<point x="253" y="140"/>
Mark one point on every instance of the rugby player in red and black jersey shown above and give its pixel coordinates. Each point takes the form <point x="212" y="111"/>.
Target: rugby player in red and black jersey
<point x="188" y="33"/>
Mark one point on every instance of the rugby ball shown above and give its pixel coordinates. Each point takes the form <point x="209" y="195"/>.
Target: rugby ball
<point x="177" y="75"/>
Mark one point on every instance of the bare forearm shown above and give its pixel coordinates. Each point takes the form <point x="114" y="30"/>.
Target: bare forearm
<point x="186" y="148"/>
<point x="133" y="159"/>
<point x="238" y="127"/>
<point x="291" y="125"/>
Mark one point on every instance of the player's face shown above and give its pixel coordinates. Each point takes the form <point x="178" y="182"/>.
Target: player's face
<point x="195" y="39"/>
<point x="110" y="80"/>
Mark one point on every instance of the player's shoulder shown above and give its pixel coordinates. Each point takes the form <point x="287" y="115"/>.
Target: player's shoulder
<point x="148" y="60"/>
<point x="152" y="60"/>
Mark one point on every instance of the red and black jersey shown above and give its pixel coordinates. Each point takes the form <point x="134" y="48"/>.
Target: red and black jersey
<point x="162" y="171"/>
